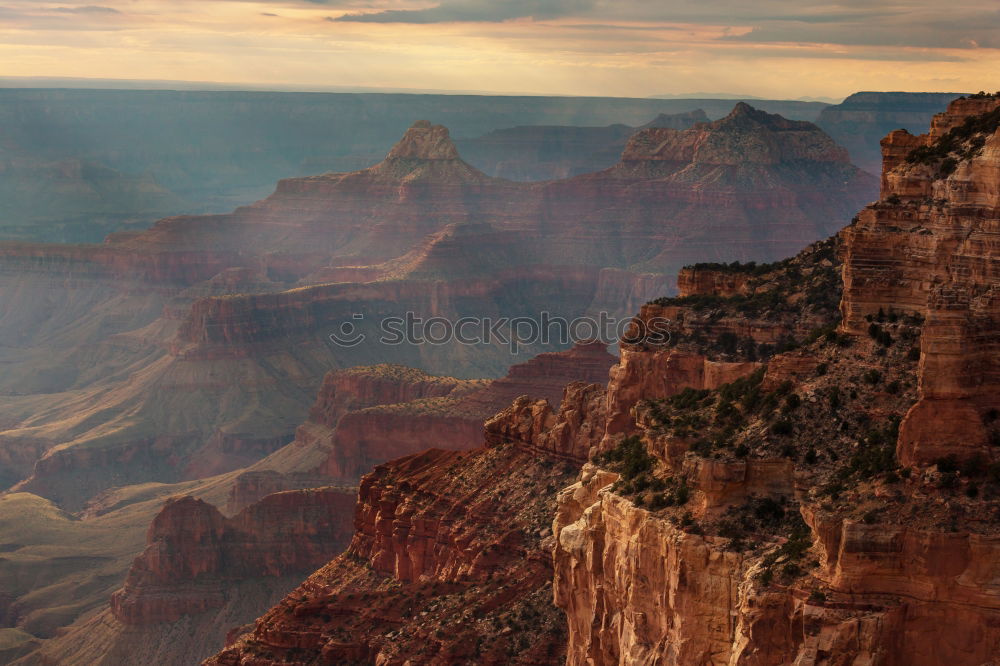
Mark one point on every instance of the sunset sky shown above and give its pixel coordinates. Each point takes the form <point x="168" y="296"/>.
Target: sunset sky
<point x="640" y="48"/>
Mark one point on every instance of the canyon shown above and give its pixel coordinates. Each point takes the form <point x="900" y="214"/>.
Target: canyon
<point x="169" y="334"/>
<point x="220" y="550"/>
<point x="863" y="118"/>
<point x="138" y="164"/>
<point x="174" y="148"/>
<point x="802" y="471"/>
<point x="800" y="467"/>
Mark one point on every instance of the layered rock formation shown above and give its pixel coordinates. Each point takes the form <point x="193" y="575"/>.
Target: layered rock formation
<point x="219" y="149"/>
<point x="449" y="563"/>
<point x="446" y="413"/>
<point x="200" y="575"/>
<point x="926" y="250"/>
<point x="193" y="551"/>
<point x="763" y="162"/>
<point x="174" y="330"/>
<point x="774" y="510"/>
<point x="798" y="516"/>
<point x="198" y="585"/>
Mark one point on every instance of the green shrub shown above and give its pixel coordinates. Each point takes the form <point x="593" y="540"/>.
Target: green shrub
<point x="682" y="494"/>
<point x="703" y="447"/>
<point x="781" y="428"/>
<point x="660" y="501"/>
<point x="947" y="464"/>
<point x="871" y="460"/>
<point x="728" y="342"/>
<point x="687" y="399"/>
<point x="632" y="455"/>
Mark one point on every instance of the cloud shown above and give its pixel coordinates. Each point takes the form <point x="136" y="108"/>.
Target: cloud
<point x="88" y="9"/>
<point x="786" y="48"/>
<point x="61" y="18"/>
<point x="959" y="24"/>
<point x="880" y="54"/>
<point x="952" y="31"/>
<point x="484" y="11"/>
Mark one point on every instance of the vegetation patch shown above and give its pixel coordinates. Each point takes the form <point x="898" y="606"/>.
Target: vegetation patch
<point x="961" y="143"/>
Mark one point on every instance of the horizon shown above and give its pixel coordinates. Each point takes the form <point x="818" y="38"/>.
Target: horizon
<point x="98" y="84"/>
<point x="578" y="48"/>
<point x="138" y="85"/>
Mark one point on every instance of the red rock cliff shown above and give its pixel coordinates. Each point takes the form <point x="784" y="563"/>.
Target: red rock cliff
<point x="809" y="512"/>
<point x="371" y="436"/>
<point x="449" y="564"/>
<point x="193" y="552"/>
<point x="927" y="250"/>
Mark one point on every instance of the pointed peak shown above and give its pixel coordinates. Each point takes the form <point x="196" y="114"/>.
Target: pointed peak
<point x="744" y="115"/>
<point x="424" y="141"/>
<point x="743" y="109"/>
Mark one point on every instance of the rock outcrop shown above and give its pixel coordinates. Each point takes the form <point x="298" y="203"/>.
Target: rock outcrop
<point x="449" y="564"/>
<point x="746" y="136"/>
<point x="371" y="436"/>
<point x="926" y="250"/>
<point x="794" y="515"/>
<point x="569" y="433"/>
<point x="193" y="552"/>
<point x="621" y="608"/>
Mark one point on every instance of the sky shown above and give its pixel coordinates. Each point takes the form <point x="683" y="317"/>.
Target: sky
<point x="634" y="48"/>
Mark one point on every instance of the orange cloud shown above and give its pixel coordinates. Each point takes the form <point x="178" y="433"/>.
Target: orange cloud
<point x="773" y="48"/>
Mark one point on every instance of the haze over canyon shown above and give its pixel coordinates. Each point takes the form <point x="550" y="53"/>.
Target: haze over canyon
<point x="790" y="458"/>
